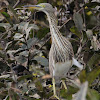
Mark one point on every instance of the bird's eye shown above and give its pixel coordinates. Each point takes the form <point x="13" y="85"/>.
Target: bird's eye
<point x="43" y="6"/>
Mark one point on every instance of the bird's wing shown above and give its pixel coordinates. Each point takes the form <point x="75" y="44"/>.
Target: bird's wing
<point x="69" y="47"/>
<point x="51" y="61"/>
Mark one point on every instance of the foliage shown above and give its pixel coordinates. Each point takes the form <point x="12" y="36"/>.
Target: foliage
<point x="25" y="45"/>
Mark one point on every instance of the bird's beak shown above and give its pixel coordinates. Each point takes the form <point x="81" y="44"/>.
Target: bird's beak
<point x="37" y="7"/>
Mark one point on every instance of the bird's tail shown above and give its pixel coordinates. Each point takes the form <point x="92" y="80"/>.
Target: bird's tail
<point x="76" y="63"/>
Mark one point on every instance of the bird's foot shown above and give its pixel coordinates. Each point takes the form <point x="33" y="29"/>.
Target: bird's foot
<point x="56" y="97"/>
<point x="64" y="84"/>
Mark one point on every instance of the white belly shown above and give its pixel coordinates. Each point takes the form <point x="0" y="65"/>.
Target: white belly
<point x="61" y="69"/>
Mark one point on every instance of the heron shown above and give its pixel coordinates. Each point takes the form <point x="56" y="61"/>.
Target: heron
<point x="61" y="55"/>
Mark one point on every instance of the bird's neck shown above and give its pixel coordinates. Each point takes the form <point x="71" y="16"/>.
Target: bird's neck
<point x="55" y="33"/>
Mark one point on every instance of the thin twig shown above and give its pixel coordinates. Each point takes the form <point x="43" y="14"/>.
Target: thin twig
<point x="66" y="22"/>
<point x="18" y="1"/>
<point x="5" y="33"/>
<point x="45" y="42"/>
<point x="84" y="16"/>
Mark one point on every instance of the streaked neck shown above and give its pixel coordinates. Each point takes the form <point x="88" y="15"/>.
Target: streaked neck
<point x="55" y="33"/>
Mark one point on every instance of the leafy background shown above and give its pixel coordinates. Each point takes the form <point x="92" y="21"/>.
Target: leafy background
<point x="25" y="43"/>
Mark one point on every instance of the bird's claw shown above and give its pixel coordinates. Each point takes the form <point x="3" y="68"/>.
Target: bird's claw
<point x="56" y="97"/>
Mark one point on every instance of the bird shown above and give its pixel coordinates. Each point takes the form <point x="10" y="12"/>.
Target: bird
<point x="61" y="55"/>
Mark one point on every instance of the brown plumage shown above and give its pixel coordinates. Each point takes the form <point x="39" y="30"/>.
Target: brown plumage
<point x="61" y="56"/>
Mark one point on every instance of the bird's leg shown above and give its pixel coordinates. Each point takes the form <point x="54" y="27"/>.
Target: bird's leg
<point x="63" y="82"/>
<point x="54" y="89"/>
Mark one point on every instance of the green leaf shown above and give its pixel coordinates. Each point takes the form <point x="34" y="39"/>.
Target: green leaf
<point x="82" y="76"/>
<point x="92" y="4"/>
<point x="30" y="43"/>
<point x="10" y="44"/>
<point x="42" y="32"/>
<point x="89" y="34"/>
<point x="60" y="3"/>
<point x="24" y="77"/>
<point x="7" y="17"/>
<point x="63" y="94"/>
<point x="29" y="98"/>
<point x="93" y="74"/>
<point x="5" y="76"/>
<point x="18" y="36"/>
<point x="72" y="90"/>
<point x="3" y="94"/>
<point x="39" y="85"/>
<point x="68" y="93"/>
<point x="12" y="95"/>
<point x="41" y="60"/>
<point x="5" y="25"/>
<point x="5" y="14"/>
<point x="93" y="95"/>
<point x="21" y="59"/>
<point x="14" y="14"/>
<point x="3" y="66"/>
<point x="78" y="21"/>
<point x="2" y="29"/>
<point x="8" y="79"/>
<point x="75" y="31"/>
<point x="2" y="85"/>
<point x="2" y="54"/>
<point x="93" y="60"/>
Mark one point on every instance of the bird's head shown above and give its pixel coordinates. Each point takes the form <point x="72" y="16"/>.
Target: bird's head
<point x="45" y="7"/>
